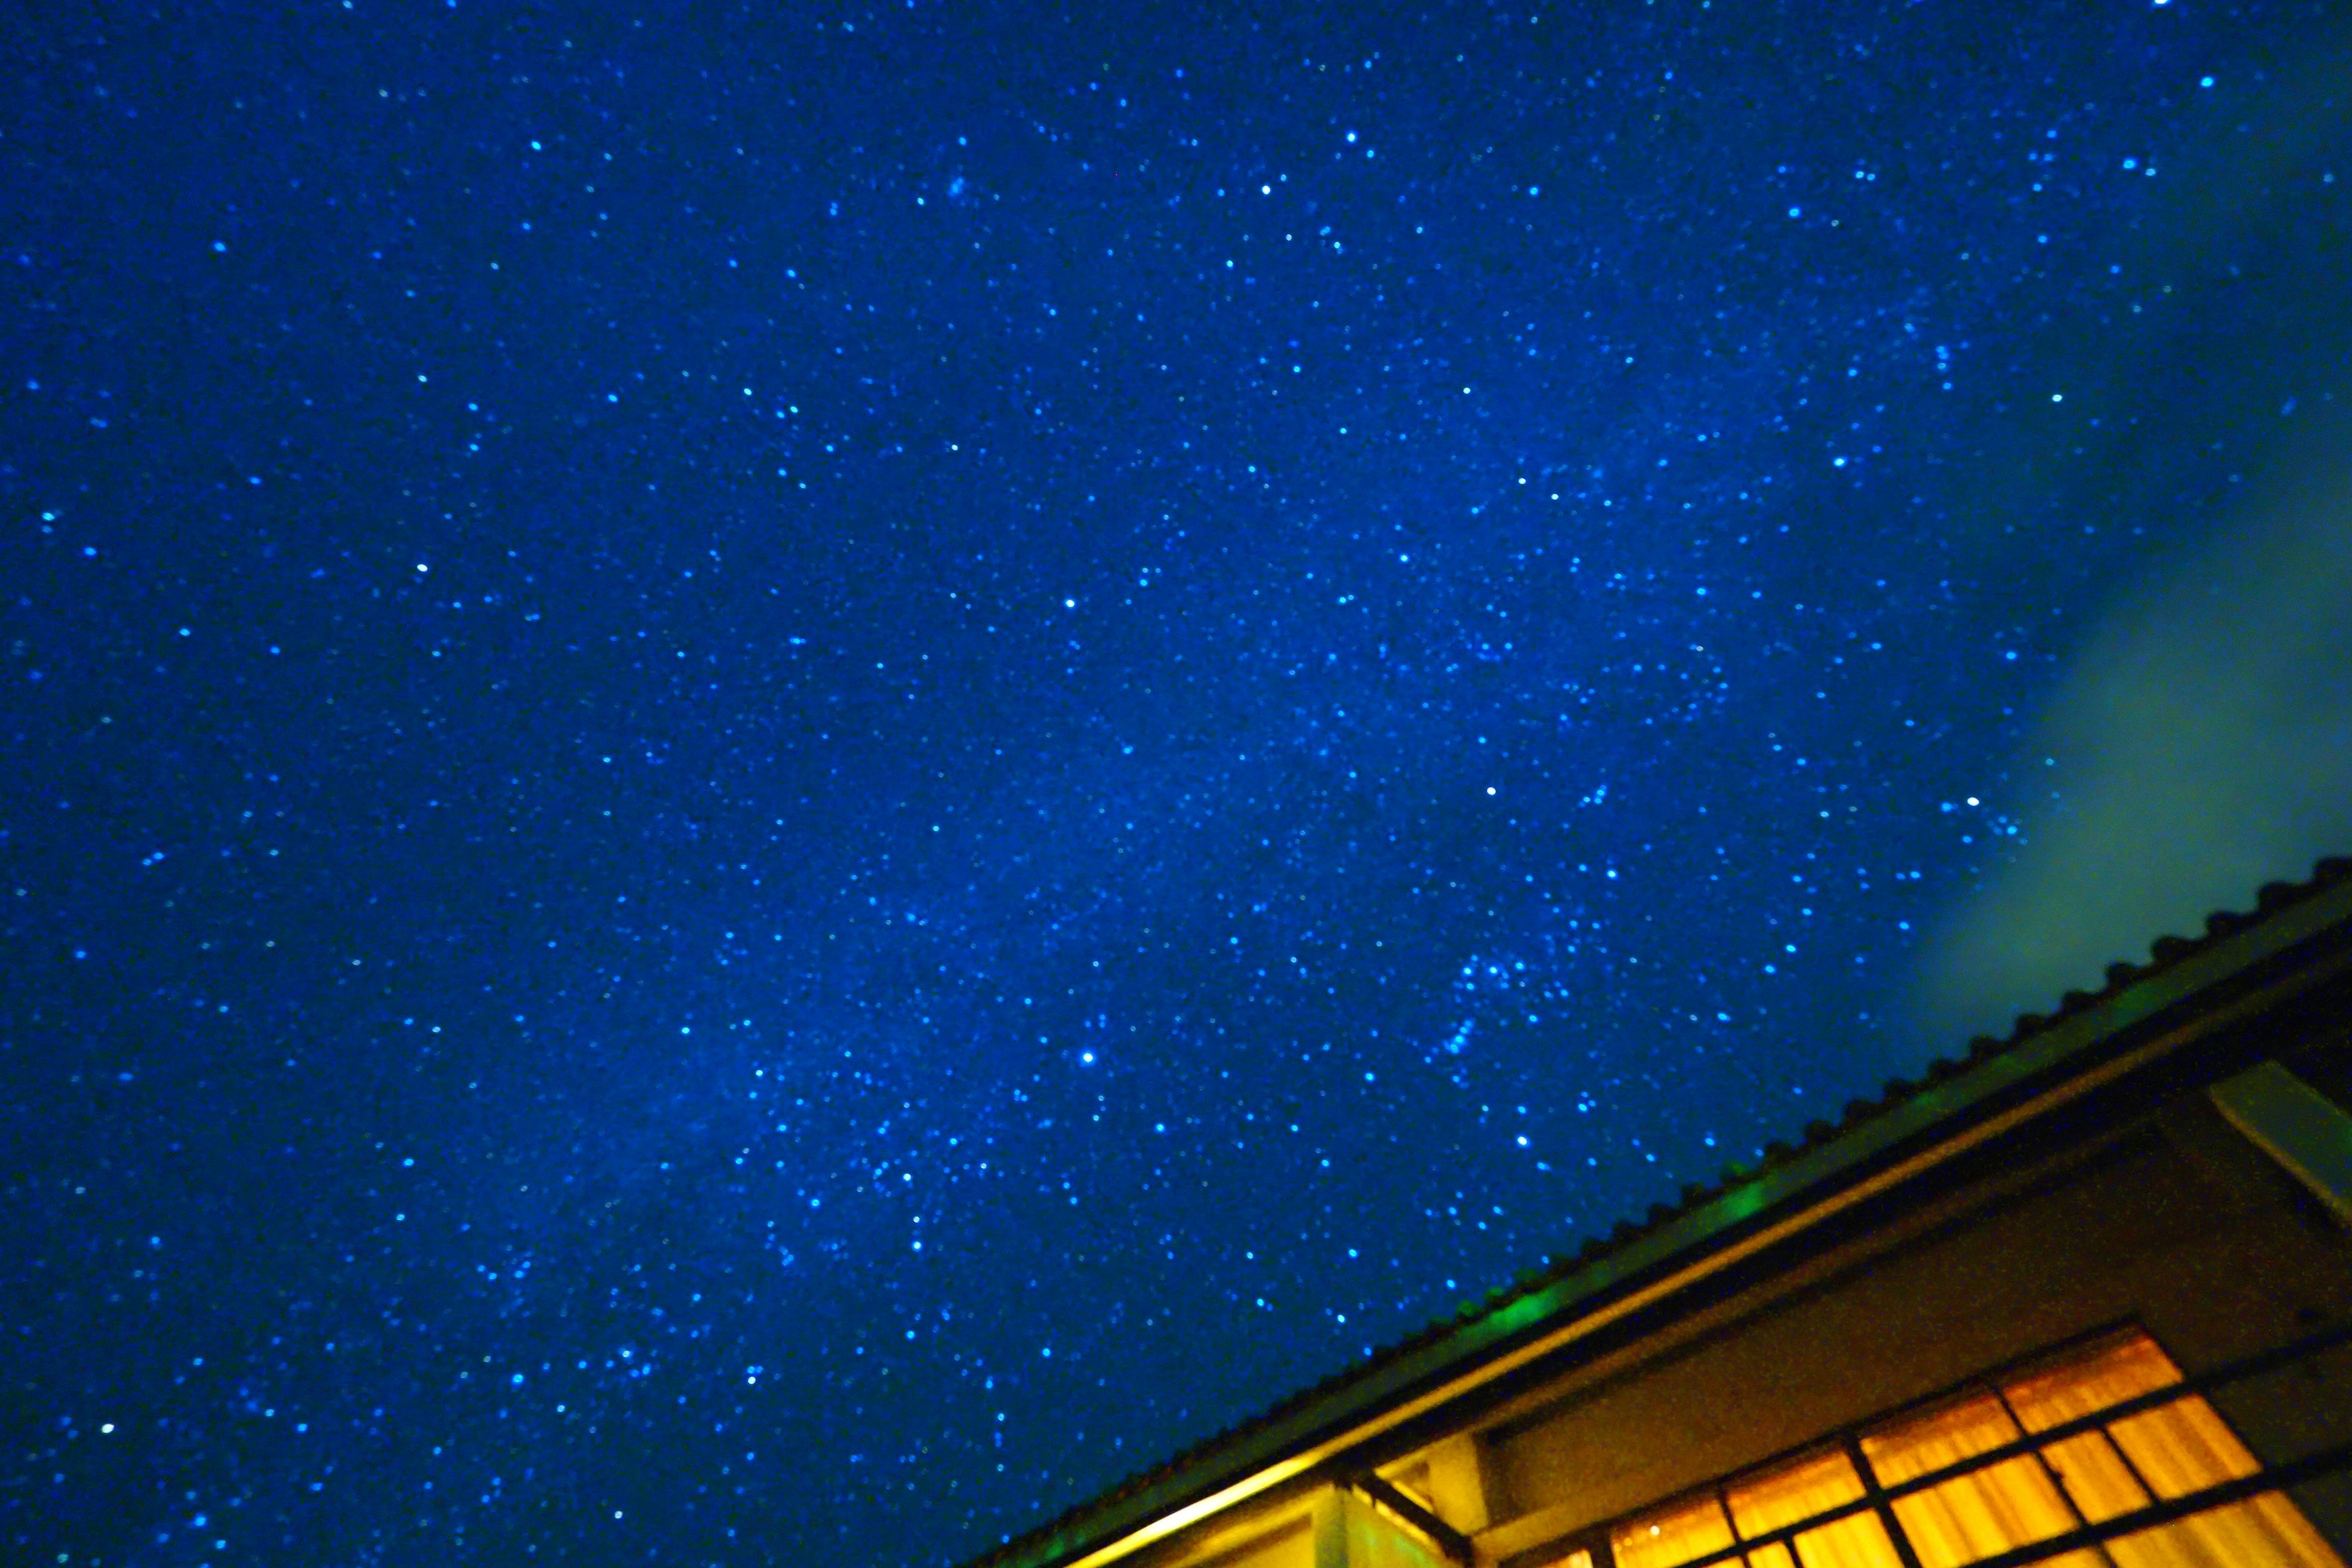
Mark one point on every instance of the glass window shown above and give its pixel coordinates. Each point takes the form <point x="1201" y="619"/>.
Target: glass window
<point x="2089" y="1382"/>
<point x="1857" y="1541"/>
<point x="2175" y="1448"/>
<point x="1977" y="1514"/>
<point x="1679" y="1532"/>
<point x="1761" y="1504"/>
<point x="2091" y="1473"/>
<point x="1958" y="1508"/>
<point x="2266" y="1531"/>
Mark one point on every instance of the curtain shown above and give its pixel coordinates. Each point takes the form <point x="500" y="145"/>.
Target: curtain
<point x="2268" y="1531"/>
<point x="2085" y="1385"/>
<point x="1676" y="1534"/>
<point x="1857" y="1541"/>
<point x="2178" y="1448"/>
<point x="1979" y="1514"/>
<point x="2170" y="1450"/>
<point x="1815" y="1484"/>
<point x="1762" y="1504"/>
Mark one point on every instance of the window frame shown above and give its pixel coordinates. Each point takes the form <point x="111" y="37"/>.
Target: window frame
<point x="1597" y="1540"/>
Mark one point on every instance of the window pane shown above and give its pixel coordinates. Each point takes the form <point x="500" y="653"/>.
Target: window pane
<point x="2266" y="1531"/>
<point x="2182" y="1446"/>
<point x="1775" y="1556"/>
<point x="1983" y="1513"/>
<point x="1941" y="1437"/>
<point x="2179" y="1448"/>
<point x="1675" y="1534"/>
<point x="2107" y="1375"/>
<point x="1857" y="1541"/>
<point x="1973" y="1516"/>
<point x="1762" y="1504"/>
<point x="2093" y="1476"/>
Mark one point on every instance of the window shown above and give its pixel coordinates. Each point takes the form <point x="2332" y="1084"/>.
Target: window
<point x="1806" y="1490"/>
<point x="1972" y="1478"/>
<point x="1821" y="1491"/>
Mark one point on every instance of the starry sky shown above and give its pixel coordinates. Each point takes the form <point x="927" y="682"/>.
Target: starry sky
<point x="777" y="782"/>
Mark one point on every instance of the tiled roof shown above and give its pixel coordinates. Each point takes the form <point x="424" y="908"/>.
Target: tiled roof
<point x="1943" y="1093"/>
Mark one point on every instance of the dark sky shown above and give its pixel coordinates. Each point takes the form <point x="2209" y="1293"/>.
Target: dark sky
<point x="776" y="783"/>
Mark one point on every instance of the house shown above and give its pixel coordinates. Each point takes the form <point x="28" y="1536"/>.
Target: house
<point x="2083" y="1297"/>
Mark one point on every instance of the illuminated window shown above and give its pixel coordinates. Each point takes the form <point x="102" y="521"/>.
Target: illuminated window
<point x="1701" y="1529"/>
<point x="2173" y="1450"/>
<point x="1972" y="1479"/>
<point x="1982" y="1512"/>
<point x="1812" y="1486"/>
<point x="1679" y="1532"/>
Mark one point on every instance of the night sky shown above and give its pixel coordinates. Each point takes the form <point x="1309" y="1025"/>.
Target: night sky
<point x="776" y="783"/>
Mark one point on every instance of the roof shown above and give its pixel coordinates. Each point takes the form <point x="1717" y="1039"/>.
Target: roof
<point x="1996" y="1083"/>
